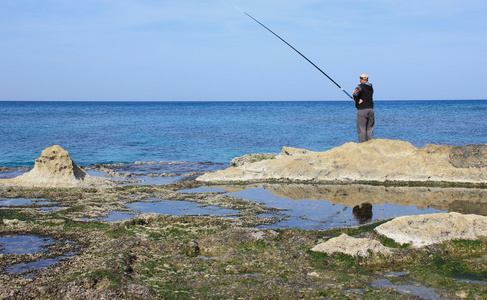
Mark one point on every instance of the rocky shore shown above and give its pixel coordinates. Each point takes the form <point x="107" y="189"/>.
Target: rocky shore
<point x="154" y="256"/>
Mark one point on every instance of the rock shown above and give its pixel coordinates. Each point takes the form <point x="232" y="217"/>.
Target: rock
<point x="470" y="156"/>
<point x="351" y="246"/>
<point x="55" y="221"/>
<point x="431" y="229"/>
<point x="257" y="236"/>
<point x="191" y="249"/>
<point x="251" y="158"/>
<point x="10" y="221"/>
<point x="377" y="160"/>
<point x="290" y="151"/>
<point x="314" y="274"/>
<point x="55" y="168"/>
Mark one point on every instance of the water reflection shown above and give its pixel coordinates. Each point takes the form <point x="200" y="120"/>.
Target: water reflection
<point x="327" y="206"/>
<point x="35" y="265"/>
<point x="22" y="201"/>
<point x="315" y="211"/>
<point x="28" y="245"/>
<point x="362" y="213"/>
<point x="179" y="208"/>
<point x="116" y="216"/>
<point x="414" y="289"/>
<point x="41" y="204"/>
<point x="23" y="244"/>
<point x="463" y="200"/>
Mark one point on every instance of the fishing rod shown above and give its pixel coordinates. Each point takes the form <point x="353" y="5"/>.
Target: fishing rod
<point x="295" y="50"/>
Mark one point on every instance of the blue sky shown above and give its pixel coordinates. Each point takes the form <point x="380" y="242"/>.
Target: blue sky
<point x="187" y="50"/>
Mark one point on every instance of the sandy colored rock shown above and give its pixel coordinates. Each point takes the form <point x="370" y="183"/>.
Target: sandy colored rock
<point x="430" y="229"/>
<point x="376" y="160"/>
<point x="470" y="156"/>
<point x="290" y="151"/>
<point x="251" y="158"/>
<point x="55" y="168"/>
<point x="351" y="246"/>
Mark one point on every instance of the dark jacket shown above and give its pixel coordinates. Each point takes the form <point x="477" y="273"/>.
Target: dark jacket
<point x="365" y="92"/>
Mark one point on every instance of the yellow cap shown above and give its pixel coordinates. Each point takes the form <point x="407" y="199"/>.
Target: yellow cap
<point x="364" y="76"/>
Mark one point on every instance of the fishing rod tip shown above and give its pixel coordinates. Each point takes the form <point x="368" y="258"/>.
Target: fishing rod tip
<point x="238" y="8"/>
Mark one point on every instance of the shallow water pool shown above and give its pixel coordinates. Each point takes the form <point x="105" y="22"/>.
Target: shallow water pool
<point x="23" y="244"/>
<point x="319" y="214"/>
<point x="179" y="208"/>
<point x="26" y="245"/>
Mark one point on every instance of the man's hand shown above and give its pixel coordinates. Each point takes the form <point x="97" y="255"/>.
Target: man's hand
<point x="360" y="101"/>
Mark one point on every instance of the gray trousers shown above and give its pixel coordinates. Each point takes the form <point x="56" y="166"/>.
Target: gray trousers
<point x="365" y="124"/>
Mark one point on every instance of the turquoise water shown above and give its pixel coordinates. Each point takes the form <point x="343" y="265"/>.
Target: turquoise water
<point x="125" y="132"/>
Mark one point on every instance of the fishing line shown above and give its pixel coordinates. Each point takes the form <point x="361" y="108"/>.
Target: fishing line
<point x="295" y="50"/>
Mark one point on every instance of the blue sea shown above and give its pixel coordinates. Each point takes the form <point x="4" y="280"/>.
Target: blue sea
<point x="216" y="132"/>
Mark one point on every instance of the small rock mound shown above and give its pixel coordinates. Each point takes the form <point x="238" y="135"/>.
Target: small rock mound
<point x="351" y="246"/>
<point x="55" y="168"/>
<point x="431" y="229"/>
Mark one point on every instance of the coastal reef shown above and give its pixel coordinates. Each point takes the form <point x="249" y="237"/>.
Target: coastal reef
<point x="154" y="256"/>
<point x="238" y="255"/>
<point x="379" y="160"/>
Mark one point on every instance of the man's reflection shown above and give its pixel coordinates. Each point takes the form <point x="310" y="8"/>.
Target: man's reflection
<point x="363" y="213"/>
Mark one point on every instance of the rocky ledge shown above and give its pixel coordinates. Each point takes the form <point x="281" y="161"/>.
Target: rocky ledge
<point x="378" y="160"/>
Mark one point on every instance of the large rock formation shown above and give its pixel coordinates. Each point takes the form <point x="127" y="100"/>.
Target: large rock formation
<point x="430" y="229"/>
<point x="55" y="168"/>
<point x="376" y="160"/>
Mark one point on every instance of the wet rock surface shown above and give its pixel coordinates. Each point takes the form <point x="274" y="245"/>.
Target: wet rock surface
<point x="154" y="256"/>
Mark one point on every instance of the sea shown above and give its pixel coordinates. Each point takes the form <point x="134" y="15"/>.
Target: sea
<point x="216" y="132"/>
<point x="180" y="138"/>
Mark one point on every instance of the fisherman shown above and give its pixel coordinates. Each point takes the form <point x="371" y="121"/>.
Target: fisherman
<point x="362" y="96"/>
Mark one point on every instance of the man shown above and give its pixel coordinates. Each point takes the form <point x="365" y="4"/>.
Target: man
<point x="362" y="96"/>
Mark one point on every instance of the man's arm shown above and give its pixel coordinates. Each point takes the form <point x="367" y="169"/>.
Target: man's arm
<point x="356" y="94"/>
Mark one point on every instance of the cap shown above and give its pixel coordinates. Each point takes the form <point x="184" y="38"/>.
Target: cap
<point x="364" y="76"/>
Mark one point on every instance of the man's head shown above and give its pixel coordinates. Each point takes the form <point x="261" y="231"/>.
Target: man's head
<point x="364" y="77"/>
